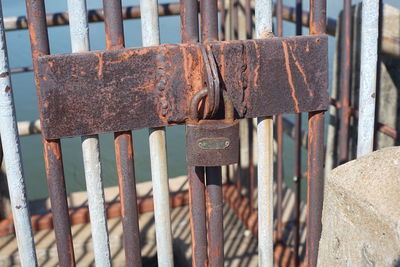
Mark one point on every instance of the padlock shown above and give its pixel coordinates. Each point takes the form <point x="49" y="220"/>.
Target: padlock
<point x="212" y="142"/>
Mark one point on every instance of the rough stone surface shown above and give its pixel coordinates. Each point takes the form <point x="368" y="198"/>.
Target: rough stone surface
<point x="361" y="214"/>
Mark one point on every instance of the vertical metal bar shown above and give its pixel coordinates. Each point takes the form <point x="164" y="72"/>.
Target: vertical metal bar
<point x="215" y="216"/>
<point x="189" y="21"/>
<point x="315" y="152"/>
<point x="158" y="150"/>
<point x="209" y="20"/>
<point x="79" y="31"/>
<point x="127" y="187"/>
<point x="51" y="148"/>
<point x="249" y="21"/>
<point x="251" y="163"/>
<point x="124" y="148"/>
<point x="369" y="59"/>
<point x="297" y="157"/>
<point x="197" y="215"/>
<point x="378" y="76"/>
<point x="238" y="175"/>
<point x="13" y="160"/>
<point x="250" y="127"/>
<point x="214" y="204"/>
<point x="223" y="18"/>
<point x="279" y="133"/>
<point x="197" y="209"/>
<point x="345" y="70"/>
<point x="235" y="19"/>
<point x="263" y="15"/>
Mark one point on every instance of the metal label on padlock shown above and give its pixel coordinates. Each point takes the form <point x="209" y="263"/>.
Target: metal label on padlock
<point x="214" y="143"/>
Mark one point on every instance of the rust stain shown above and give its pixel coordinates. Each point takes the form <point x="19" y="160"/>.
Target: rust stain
<point x="100" y="66"/>
<point x="258" y="63"/>
<point x="8" y="89"/>
<point x="290" y="78"/>
<point x="310" y="92"/>
<point x="117" y="145"/>
<point x="55" y="149"/>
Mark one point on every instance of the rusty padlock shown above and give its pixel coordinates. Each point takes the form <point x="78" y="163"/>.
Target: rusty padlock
<point x="212" y="142"/>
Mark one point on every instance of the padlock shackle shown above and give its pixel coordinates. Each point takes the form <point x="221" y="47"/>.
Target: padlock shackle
<point x="194" y="104"/>
<point x="228" y="107"/>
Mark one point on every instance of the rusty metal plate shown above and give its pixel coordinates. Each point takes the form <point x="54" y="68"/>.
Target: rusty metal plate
<point x="133" y="88"/>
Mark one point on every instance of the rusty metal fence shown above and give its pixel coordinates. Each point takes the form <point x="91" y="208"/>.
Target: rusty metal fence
<point x="263" y="77"/>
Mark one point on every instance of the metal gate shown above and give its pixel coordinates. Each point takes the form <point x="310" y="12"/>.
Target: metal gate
<point x="122" y="89"/>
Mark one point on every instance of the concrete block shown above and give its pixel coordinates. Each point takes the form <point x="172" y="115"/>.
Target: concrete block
<point x="361" y="213"/>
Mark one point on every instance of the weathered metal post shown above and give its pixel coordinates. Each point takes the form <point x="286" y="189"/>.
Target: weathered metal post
<point x="190" y="34"/>
<point x="123" y="144"/>
<point x="369" y="58"/>
<point x="297" y="156"/>
<point x="345" y="83"/>
<point x="250" y="125"/>
<point x="79" y="31"/>
<point x="158" y="149"/>
<point x="279" y="133"/>
<point x="315" y="152"/>
<point x="263" y="23"/>
<point x="214" y="206"/>
<point x="52" y="148"/>
<point x="13" y="160"/>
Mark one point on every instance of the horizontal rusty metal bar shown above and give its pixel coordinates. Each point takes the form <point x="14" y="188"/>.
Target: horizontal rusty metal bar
<point x="172" y="9"/>
<point x="151" y="87"/>
<point x="94" y="15"/>
<point x="381" y="127"/>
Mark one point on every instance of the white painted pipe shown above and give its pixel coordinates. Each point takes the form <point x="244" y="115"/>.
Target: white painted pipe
<point x="263" y="27"/>
<point x="158" y="150"/>
<point x="13" y="161"/>
<point x="368" y="69"/>
<point x="79" y="31"/>
<point x="26" y="128"/>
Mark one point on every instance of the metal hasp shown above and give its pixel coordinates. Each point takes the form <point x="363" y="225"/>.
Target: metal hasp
<point x="133" y="88"/>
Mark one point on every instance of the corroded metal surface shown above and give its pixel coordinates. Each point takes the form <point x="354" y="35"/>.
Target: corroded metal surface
<point x="263" y="77"/>
<point x="123" y="145"/>
<point x="215" y="227"/>
<point x="212" y="131"/>
<point x="345" y="84"/>
<point x="297" y="158"/>
<point x="197" y="215"/>
<point x="51" y="148"/>
<point x="279" y="138"/>
<point x="315" y="160"/>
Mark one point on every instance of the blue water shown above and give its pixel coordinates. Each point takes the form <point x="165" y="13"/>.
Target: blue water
<point x="25" y="99"/>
